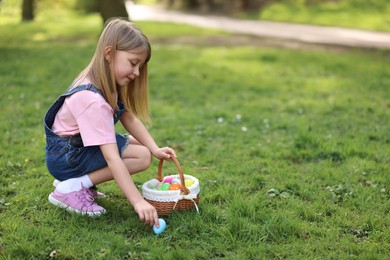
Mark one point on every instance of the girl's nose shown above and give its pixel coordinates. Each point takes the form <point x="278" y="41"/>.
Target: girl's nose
<point x="136" y="71"/>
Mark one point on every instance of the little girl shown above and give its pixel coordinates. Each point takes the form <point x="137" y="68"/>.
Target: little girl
<point x="82" y="148"/>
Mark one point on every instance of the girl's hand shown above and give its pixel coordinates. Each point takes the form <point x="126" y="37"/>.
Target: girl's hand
<point x="146" y="212"/>
<point x="164" y="153"/>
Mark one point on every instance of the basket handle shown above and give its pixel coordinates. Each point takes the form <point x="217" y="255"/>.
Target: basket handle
<point x="184" y="189"/>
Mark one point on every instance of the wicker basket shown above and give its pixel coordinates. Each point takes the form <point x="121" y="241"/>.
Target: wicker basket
<point x="166" y="202"/>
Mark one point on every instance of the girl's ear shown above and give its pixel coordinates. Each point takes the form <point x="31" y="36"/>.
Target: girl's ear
<point x="108" y="53"/>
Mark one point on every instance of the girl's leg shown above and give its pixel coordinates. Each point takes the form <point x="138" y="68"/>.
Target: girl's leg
<point x="136" y="157"/>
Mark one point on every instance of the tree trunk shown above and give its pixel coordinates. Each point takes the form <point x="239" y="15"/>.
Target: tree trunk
<point x="112" y="8"/>
<point x="253" y="5"/>
<point x="28" y="10"/>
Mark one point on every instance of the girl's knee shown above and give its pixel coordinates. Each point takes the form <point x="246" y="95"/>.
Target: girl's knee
<point x="145" y="157"/>
<point x="138" y="158"/>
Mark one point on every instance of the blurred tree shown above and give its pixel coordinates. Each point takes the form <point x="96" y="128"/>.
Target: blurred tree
<point x="106" y="8"/>
<point x="28" y="10"/>
<point x="218" y="6"/>
<point x="112" y="8"/>
<point x="252" y="5"/>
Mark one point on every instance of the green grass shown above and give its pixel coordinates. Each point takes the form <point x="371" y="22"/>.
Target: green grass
<point x="290" y="146"/>
<point x="344" y="13"/>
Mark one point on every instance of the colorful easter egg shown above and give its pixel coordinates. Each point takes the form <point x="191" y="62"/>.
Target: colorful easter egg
<point x="189" y="182"/>
<point x="168" y="179"/>
<point x="175" y="186"/>
<point x="176" y="180"/>
<point x="161" y="228"/>
<point x="165" y="186"/>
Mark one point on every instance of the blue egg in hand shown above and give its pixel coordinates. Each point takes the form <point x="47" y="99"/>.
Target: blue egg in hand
<point x="162" y="227"/>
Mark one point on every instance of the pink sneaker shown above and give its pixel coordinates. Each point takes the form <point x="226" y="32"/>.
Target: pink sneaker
<point x="81" y="202"/>
<point x="96" y="194"/>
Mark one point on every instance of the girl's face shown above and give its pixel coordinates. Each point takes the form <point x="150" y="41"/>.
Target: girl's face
<point x="127" y="65"/>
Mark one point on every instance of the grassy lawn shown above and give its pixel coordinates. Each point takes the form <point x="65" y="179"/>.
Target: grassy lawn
<point x="342" y="13"/>
<point x="291" y="148"/>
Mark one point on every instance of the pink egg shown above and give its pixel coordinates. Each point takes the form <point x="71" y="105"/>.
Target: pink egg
<point x="168" y="179"/>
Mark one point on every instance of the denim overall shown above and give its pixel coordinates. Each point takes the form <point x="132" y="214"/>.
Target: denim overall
<point x="66" y="157"/>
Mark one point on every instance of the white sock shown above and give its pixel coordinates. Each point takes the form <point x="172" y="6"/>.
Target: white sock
<point x="56" y="182"/>
<point x="74" y="184"/>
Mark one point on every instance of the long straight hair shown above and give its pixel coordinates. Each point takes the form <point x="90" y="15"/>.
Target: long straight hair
<point x="121" y="35"/>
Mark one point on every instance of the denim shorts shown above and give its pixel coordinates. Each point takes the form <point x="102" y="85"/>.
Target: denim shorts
<point x="66" y="157"/>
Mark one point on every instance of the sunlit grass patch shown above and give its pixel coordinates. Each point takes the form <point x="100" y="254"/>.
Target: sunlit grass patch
<point x="330" y="13"/>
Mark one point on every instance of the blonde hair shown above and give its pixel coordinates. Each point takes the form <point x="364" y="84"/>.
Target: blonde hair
<point x="121" y="35"/>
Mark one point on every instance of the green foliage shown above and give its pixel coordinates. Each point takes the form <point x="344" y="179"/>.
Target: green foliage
<point x="290" y="146"/>
<point x="88" y="6"/>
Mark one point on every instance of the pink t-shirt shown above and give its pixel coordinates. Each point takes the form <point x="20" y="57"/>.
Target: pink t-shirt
<point x="89" y="114"/>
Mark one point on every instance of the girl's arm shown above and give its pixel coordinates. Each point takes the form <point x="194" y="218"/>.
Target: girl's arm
<point x="146" y="212"/>
<point x="135" y="127"/>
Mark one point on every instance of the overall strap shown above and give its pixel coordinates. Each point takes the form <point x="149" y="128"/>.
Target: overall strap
<point x="88" y="86"/>
<point x="118" y="112"/>
<point x="52" y="112"/>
